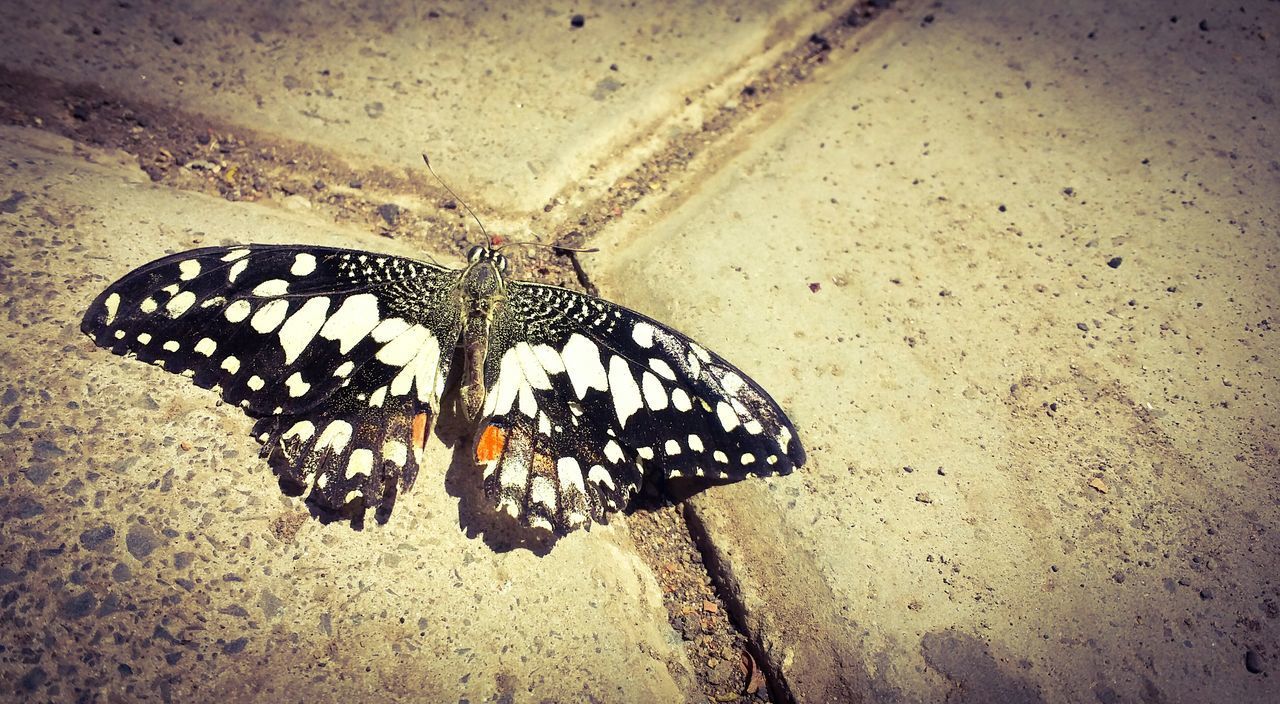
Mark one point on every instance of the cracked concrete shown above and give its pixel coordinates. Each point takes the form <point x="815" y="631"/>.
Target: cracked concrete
<point x="1010" y="267"/>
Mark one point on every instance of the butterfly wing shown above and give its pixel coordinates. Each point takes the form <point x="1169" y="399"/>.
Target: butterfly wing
<point x="343" y="353"/>
<point x="585" y="396"/>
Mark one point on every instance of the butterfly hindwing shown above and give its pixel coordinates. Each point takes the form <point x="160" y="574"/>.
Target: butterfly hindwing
<point x="586" y="396"/>
<point x="345" y="352"/>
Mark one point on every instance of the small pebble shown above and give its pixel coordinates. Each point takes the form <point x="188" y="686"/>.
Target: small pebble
<point x="1084" y="327"/>
<point x="141" y="541"/>
<point x="924" y="498"/>
<point x="1118" y="577"/>
<point x="1253" y="662"/>
<point x="1206" y="593"/>
<point x="1115" y="262"/>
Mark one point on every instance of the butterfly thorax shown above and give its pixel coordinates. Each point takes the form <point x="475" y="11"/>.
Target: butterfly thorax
<point x="481" y="289"/>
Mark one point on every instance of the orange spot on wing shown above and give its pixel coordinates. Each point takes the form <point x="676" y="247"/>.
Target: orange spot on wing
<point x="421" y="424"/>
<point x="492" y="441"/>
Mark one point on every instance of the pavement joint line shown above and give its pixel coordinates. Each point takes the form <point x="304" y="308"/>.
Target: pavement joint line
<point x="722" y="580"/>
<point x="730" y="108"/>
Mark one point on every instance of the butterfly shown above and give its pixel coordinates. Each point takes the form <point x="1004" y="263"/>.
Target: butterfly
<point x="344" y="357"/>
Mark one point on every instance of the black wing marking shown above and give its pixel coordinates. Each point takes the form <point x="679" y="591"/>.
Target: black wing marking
<point x="585" y="395"/>
<point x="345" y="352"/>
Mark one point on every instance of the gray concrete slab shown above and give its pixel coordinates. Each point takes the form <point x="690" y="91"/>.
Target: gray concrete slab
<point x="521" y="102"/>
<point x="150" y="554"/>
<point x="1012" y="267"/>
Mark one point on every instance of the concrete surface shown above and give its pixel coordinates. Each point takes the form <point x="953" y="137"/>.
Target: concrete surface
<point x="521" y="100"/>
<point x="1011" y="267"/>
<point x="1035" y="476"/>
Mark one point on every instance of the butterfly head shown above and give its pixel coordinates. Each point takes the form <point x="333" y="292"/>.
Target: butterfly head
<point x="483" y="276"/>
<point x="481" y="253"/>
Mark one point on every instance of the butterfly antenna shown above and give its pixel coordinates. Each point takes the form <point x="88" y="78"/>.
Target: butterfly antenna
<point x="553" y="246"/>
<point x="488" y="242"/>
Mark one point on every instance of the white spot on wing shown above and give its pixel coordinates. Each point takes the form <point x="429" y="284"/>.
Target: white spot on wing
<point x="335" y="435"/>
<point x="171" y="346"/>
<point x="753" y="426"/>
<point x="642" y="333"/>
<point x="303" y="264"/>
<point x="144" y="338"/>
<point x="236" y="270"/>
<point x="503" y="395"/>
<point x="378" y="396"/>
<point x="231" y="364"/>
<point x="255" y="382"/>
<point x="655" y="397"/>
<point x="180" y="303"/>
<point x="543" y="492"/>
<point x="613" y="452"/>
<point x="270" y="316"/>
<point x="748" y="458"/>
<point x="582" y="362"/>
<point x="662" y="368"/>
<point x="112" y="304"/>
<point x="234" y="255"/>
<point x="720" y="457"/>
<point x="728" y="419"/>
<point x="732" y="383"/>
<point x="570" y="474"/>
<point x="344" y="369"/>
<point x="426" y="366"/>
<point x="360" y="462"/>
<point x="534" y="374"/>
<point x="238" y="311"/>
<point x="271" y="287"/>
<point x="514" y="472"/>
<point x="301" y="327"/>
<point x="645" y="452"/>
<point x="550" y="360"/>
<point x="695" y="443"/>
<point x="388" y="329"/>
<point x="303" y="430"/>
<point x="404" y="348"/>
<point x="672" y="448"/>
<point x="189" y="269"/>
<point x="626" y="395"/>
<point x="680" y="400"/>
<point x="354" y="319"/>
<point x="148" y="305"/>
<point x="784" y="437"/>
<point x="601" y="476"/>
<point x="395" y="452"/>
<point x="296" y="385"/>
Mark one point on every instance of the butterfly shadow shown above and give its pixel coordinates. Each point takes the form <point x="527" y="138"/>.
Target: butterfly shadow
<point x="478" y="514"/>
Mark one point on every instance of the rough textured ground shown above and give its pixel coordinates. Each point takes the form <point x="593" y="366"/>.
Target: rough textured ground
<point x="1010" y="267"/>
